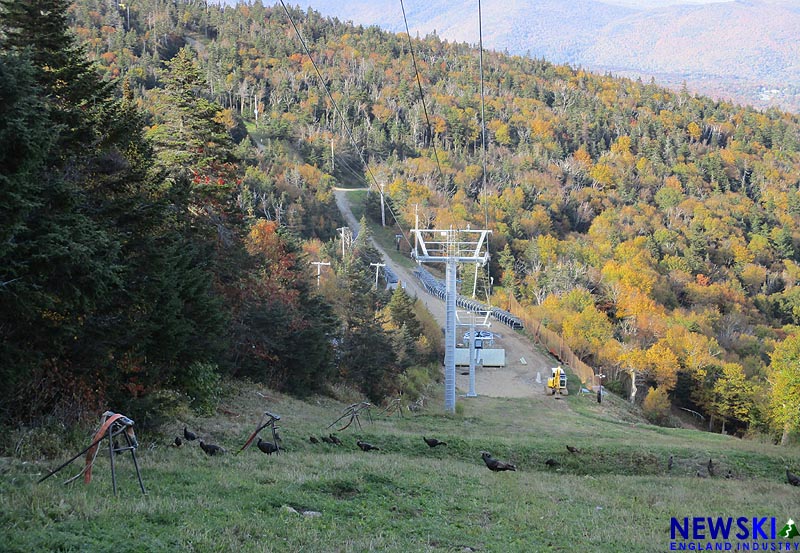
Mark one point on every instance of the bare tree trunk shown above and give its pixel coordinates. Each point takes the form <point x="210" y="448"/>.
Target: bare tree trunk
<point x="785" y="435"/>
<point x="633" y="386"/>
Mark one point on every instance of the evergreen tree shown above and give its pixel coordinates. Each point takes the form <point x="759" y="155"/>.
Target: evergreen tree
<point x="401" y="308"/>
<point x="509" y="276"/>
<point x="364" y="251"/>
<point x="65" y="262"/>
<point x="24" y="143"/>
<point x="68" y="79"/>
<point x="366" y="354"/>
<point x="91" y="234"/>
<point x="189" y="136"/>
<point x="404" y="346"/>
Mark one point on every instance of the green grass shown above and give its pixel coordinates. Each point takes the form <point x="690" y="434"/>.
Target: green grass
<point x="616" y="495"/>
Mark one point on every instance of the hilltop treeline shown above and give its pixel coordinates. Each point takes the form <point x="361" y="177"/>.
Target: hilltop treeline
<point x="657" y="231"/>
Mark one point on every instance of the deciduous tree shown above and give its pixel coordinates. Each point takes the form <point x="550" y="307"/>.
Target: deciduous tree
<point x="784" y="379"/>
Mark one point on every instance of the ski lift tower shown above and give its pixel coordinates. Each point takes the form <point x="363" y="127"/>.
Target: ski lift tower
<point x="473" y="343"/>
<point x="450" y="247"/>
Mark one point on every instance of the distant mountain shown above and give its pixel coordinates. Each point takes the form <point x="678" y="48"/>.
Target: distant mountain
<point x="557" y="30"/>
<point x="743" y="50"/>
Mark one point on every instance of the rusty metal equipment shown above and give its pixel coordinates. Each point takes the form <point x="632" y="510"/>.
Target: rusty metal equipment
<point x="112" y="425"/>
<point x="354" y="411"/>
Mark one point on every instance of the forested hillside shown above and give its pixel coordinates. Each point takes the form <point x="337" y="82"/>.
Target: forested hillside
<point x="735" y="50"/>
<point x="147" y="253"/>
<point x="658" y="232"/>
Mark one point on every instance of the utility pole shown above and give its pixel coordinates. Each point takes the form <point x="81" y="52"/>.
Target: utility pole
<point x="319" y="265"/>
<point x="377" y="268"/>
<point x="451" y="247"/>
<point x="346" y="236"/>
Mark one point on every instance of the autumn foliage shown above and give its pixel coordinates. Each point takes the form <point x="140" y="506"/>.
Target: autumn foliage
<point x="656" y="231"/>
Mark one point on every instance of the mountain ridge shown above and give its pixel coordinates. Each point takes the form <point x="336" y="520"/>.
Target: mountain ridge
<point x="742" y="50"/>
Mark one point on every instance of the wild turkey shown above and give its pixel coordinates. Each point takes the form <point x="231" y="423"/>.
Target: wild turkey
<point x="211" y="449"/>
<point x="433" y="442"/>
<point x="710" y="466"/>
<point x="366" y="446"/>
<point x="793" y="479"/>
<point x="572" y="449"/>
<point x="334" y="439"/>
<point x="327" y="440"/>
<point x="494" y="464"/>
<point x="267" y="447"/>
<point x="669" y="463"/>
<point x="178" y="442"/>
<point x="189" y="435"/>
<point x="552" y="463"/>
<point x="313" y="440"/>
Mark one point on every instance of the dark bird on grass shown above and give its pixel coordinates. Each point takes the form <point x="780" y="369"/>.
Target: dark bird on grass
<point x="334" y="439"/>
<point x="793" y="479"/>
<point x="211" y="449"/>
<point x="572" y="449"/>
<point x="552" y="463"/>
<point x="494" y="464"/>
<point x="366" y="446"/>
<point x="327" y="440"/>
<point x="729" y="474"/>
<point x="700" y="474"/>
<point x="670" y="462"/>
<point x="710" y="466"/>
<point x="267" y="447"/>
<point x="189" y="435"/>
<point x="178" y="442"/>
<point x="313" y="440"/>
<point x="433" y="442"/>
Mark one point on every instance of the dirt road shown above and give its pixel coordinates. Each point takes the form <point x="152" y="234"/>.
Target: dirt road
<point x="523" y="360"/>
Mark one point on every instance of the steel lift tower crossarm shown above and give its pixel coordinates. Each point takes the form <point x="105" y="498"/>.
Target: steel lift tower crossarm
<point x="461" y="246"/>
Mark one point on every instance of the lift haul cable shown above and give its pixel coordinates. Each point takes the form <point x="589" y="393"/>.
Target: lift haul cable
<point x="374" y="182"/>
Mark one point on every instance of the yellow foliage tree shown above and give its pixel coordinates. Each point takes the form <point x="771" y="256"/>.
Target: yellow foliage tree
<point x="541" y="128"/>
<point x="733" y="394"/>
<point x="622" y="145"/>
<point x="602" y="175"/>
<point x="784" y="377"/>
<point x="663" y="365"/>
<point x="587" y="331"/>
<point x="503" y="135"/>
<point x="753" y="277"/>
<point x="656" y="405"/>
<point x="694" y="131"/>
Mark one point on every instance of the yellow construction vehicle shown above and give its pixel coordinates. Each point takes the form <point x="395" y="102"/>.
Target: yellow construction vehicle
<point x="557" y="383"/>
